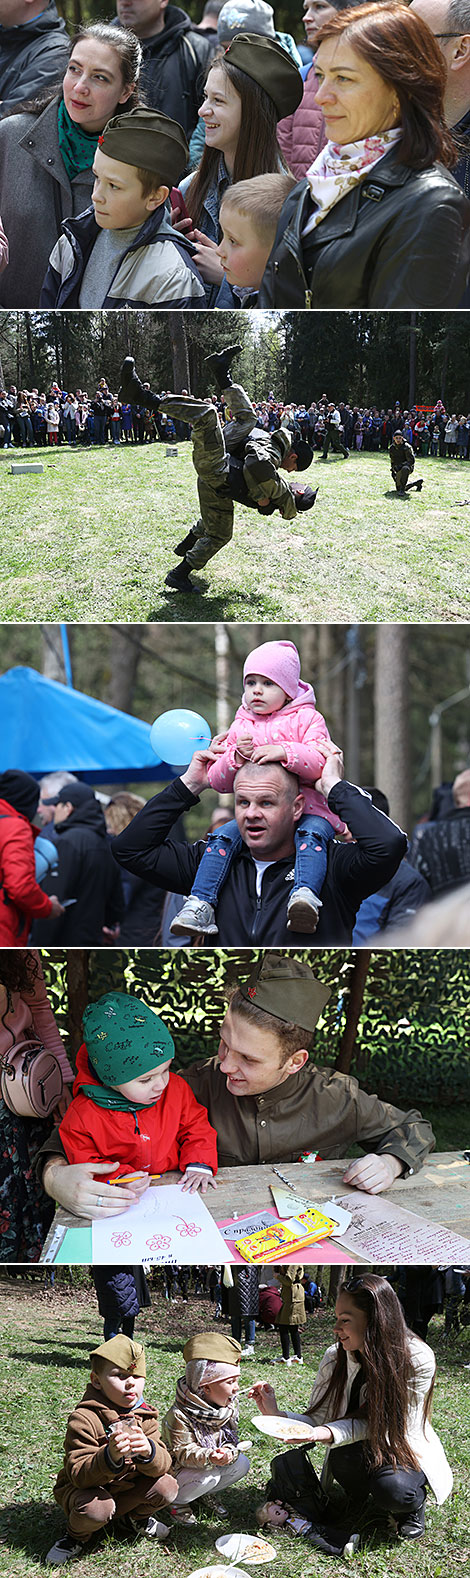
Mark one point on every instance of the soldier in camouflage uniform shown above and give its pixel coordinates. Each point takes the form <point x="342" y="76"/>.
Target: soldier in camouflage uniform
<point x="239" y="462"/>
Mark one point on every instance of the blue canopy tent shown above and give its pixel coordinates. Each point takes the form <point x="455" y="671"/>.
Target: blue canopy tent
<point x="46" y="727"/>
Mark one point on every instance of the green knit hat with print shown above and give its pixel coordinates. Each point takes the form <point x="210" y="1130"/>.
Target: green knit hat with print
<point x="124" y="1038"/>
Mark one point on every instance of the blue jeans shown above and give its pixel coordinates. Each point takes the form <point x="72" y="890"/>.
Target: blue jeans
<point x="249" y="1328"/>
<point x="312" y="836"/>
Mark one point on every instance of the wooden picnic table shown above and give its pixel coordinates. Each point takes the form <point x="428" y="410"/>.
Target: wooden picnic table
<point x="440" y="1192"/>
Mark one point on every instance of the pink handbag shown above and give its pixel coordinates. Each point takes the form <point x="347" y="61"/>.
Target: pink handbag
<point x="31" y="1082"/>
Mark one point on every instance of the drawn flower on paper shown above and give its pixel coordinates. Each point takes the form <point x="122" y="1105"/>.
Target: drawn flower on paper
<point x="158" y="1242"/>
<point x="187" y="1229"/>
<point x="121" y="1240"/>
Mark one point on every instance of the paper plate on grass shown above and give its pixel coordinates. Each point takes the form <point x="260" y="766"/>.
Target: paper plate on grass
<point x="283" y="1429"/>
<point x="249" y="1548"/>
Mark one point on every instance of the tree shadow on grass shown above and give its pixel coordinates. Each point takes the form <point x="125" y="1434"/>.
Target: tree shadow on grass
<point x="60" y="1361"/>
<point x="31" y="1526"/>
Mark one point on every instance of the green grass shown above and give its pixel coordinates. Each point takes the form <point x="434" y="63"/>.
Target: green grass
<point x="92" y="539"/>
<point x="46" y="1338"/>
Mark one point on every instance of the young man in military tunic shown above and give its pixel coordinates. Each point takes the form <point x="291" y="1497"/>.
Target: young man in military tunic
<point x="402" y="462"/>
<point x="239" y="462"/>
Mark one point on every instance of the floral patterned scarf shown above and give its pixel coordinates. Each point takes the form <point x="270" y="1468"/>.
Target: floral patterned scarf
<point x="337" y="169"/>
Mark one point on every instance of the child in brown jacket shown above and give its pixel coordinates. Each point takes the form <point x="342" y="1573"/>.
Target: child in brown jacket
<point x="115" y="1464"/>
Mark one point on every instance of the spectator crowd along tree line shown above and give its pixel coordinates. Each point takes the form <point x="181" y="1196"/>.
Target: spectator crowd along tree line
<point x="33" y="419"/>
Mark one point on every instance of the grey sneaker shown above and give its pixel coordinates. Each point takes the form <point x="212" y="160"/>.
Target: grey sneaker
<point x="216" y="1506"/>
<point x="195" y="916"/>
<point x="65" y="1550"/>
<point x="303" y="910"/>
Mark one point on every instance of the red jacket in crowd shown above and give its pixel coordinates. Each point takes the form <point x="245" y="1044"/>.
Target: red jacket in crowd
<point x="21" y="898"/>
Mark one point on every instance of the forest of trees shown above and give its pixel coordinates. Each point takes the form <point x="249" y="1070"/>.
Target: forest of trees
<point x="365" y="358"/>
<point x="376" y="687"/>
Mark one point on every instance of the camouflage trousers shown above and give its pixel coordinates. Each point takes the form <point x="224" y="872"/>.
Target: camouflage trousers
<point x="212" y="446"/>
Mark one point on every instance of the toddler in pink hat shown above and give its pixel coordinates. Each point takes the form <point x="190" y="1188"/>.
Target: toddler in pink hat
<point x="278" y="721"/>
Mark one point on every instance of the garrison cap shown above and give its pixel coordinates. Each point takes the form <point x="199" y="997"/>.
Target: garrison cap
<point x="123" y="1352"/>
<point x="124" y="1038"/>
<point x="288" y="989"/>
<point x="148" y="140"/>
<point x="268" y="64"/>
<point x="212" y="1345"/>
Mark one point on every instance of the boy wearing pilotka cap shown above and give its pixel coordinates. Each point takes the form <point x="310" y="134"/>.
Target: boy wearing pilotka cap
<point x="128" y="1106"/>
<point x="123" y="251"/>
<point x="115" y="1464"/>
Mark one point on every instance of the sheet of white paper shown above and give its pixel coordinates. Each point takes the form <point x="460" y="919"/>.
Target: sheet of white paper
<point x="166" y="1227"/>
<point x="383" y="1234"/>
<point x="286" y="1202"/>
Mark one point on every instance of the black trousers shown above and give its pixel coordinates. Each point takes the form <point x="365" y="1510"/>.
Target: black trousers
<point x="401" y="477"/>
<point x="399" y="1491"/>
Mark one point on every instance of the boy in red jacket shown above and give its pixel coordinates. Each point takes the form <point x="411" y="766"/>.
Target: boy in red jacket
<point x="127" y="1106"/>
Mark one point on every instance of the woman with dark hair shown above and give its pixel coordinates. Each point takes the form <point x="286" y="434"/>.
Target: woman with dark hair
<point x="47" y="152"/>
<point x="370" y="1404"/>
<point x="25" y="1013"/>
<point x="247" y="90"/>
<point x="378" y="221"/>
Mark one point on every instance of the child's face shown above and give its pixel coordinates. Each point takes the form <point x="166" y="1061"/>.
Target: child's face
<point x="221" y="1392"/>
<point x="221" y="111"/>
<point x="120" y="1387"/>
<point x="243" y="254"/>
<point x="117" y="195"/>
<point x="146" y="1089"/>
<point x="262" y="695"/>
<point x="93" y="87"/>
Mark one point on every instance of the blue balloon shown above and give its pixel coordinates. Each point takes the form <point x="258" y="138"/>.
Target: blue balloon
<point x="177" y="734"/>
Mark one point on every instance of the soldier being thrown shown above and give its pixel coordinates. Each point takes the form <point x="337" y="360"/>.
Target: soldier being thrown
<point x="241" y="462"/>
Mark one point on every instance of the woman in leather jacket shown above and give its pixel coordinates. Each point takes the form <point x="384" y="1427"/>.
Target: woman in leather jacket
<point x="379" y="221"/>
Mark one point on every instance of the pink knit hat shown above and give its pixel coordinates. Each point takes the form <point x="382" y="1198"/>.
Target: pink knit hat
<point x="279" y="661"/>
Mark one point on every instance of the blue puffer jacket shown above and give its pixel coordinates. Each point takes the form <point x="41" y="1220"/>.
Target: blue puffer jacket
<point x="116" y="1292"/>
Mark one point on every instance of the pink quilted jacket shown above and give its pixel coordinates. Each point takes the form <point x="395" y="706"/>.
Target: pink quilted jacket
<point x="298" y="727"/>
<point x="302" y="135"/>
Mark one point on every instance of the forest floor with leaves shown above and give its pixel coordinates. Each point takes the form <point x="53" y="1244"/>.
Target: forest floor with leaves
<point x="92" y="539"/>
<point x="47" y="1335"/>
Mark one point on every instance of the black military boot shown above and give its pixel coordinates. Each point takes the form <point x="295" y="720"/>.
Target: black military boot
<point x="186" y="543"/>
<point x="132" y="389"/>
<point x="180" y="579"/>
<point x="219" y="365"/>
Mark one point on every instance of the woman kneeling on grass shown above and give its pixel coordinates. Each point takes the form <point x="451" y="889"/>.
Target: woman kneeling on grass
<point x="370" y="1404"/>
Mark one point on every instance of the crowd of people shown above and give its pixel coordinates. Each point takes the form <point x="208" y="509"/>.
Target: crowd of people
<point x="173" y="165"/>
<point x="33" y="419"/>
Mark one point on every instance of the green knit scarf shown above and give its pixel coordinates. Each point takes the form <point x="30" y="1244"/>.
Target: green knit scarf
<point x="77" y="147"/>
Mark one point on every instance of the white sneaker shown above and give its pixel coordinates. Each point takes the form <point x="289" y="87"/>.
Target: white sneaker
<point x="196" y="916"/>
<point x="303" y="910"/>
<point x="247" y="1352"/>
<point x="281" y="1360"/>
<point x="65" y="1550"/>
<point x="296" y="1359"/>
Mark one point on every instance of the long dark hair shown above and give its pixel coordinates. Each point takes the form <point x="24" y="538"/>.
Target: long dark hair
<point x="404" y="52"/>
<point x="129" y="51"/>
<point x="258" y="151"/>
<point x="388" y="1373"/>
<point x="18" y="969"/>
